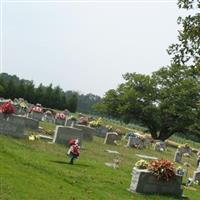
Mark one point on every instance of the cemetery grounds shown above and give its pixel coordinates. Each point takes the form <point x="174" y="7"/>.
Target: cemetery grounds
<point x="38" y="170"/>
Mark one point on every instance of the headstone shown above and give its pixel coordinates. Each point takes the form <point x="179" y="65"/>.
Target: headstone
<point x="144" y="182"/>
<point x="36" y="115"/>
<point x="12" y="126"/>
<point x="160" y="146"/>
<point x="111" y="137"/>
<point x="180" y="172"/>
<point x="60" y="122"/>
<point x="87" y="131"/>
<point x="196" y="176"/>
<point x="178" y="156"/>
<point x="70" y="122"/>
<point x="63" y="134"/>
<point x="135" y="141"/>
<point x="185" y="149"/>
<point x="101" y="131"/>
<point x="48" y="117"/>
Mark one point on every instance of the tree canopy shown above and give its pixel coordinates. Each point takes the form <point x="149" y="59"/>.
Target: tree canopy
<point x="167" y="101"/>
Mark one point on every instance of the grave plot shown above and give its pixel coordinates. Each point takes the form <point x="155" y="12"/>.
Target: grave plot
<point x="60" y="119"/>
<point x="111" y="138"/>
<point x="63" y="134"/>
<point x="87" y="131"/>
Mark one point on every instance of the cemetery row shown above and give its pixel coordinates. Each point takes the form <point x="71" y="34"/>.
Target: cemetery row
<point x="68" y="128"/>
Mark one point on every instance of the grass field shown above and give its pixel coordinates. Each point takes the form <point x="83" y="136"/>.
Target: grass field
<point x="37" y="170"/>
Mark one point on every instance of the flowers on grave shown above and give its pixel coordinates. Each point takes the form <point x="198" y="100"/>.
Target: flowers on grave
<point x="109" y="127"/>
<point x="83" y="121"/>
<point x="60" y="116"/>
<point x="119" y="131"/>
<point x="186" y="155"/>
<point x="48" y="112"/>
<point x="7" y="108"/>
<point x="38" y="108"/>
<point x="162" y="169"/>
<point x="141" y="164"/>
<point x="96" y="123"/>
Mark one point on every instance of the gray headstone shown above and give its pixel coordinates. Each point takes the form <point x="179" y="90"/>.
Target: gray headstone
<point x="144" y="182"/>
<point x="178" y="156"/>
<point x="36" y="115"/>
<point x="187" y="150"/>
<point x="60" y="122"/>
<point x="160" y="146"/>
<point x="134" y="141"/>
<point x="12" y="125"/>
<point x="63" y="134"/>
<point x="101" y="131"/>
<point x="48" y="117"/>
<point x="87" y="131"/>
<point x="196" y="176"/>
<point x="111" y="137"/>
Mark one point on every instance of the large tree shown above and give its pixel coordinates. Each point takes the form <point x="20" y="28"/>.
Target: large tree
<point x="166" y="102"/>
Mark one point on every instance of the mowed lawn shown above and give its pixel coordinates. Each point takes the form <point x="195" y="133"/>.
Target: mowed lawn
<point x="37" y="170"/>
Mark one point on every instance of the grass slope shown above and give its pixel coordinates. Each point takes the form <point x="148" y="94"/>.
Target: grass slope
<point x="36" y="170"/>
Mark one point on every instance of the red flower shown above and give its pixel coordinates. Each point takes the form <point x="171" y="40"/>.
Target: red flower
<point x="162" y="169"/>
<point x="7" y="108"/>
<point x="61" y="116"/>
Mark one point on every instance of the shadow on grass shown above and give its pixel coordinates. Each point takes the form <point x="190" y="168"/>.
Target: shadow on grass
<point x="65" y="162"/>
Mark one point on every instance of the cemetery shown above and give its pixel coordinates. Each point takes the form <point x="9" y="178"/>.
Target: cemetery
<point x="113" y="112"/>
<point x="139" y="176"/>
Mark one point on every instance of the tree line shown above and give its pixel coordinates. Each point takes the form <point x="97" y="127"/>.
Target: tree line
<point x="168" y="100"/>
<point x="51" y="97"/>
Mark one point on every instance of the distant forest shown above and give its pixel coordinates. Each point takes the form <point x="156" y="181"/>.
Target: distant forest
<point x="49" y="96"/>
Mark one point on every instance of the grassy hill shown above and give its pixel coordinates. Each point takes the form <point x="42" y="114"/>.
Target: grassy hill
<point x="37" y="170"/>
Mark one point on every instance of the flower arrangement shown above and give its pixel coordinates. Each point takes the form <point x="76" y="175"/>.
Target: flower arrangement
<point x="60" y="116"/>
<point x="162" y="169"/>
<point x="36" y="108"/>
<point x="96" y="123"/>
<point x="109" y="127"/>
<point x="141" y="164"/>
<point x="83" y="121"/>
<point x="7" y="108"/>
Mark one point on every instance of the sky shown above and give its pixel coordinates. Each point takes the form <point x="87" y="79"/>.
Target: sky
<point x="86" y="46"/>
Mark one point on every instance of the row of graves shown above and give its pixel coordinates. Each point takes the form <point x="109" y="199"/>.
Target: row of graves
<point x="156" y="176"/>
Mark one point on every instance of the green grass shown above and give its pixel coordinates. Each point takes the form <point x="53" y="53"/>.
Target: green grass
<point x="37" y="170"/>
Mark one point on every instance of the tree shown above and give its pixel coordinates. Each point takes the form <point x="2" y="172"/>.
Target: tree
<point x="1" y="90"/>
<point x="187" y="50"/>
<point x="72" y="101"/>
<point x="86" y="102"/>
<point x="166" y="102"/>
<point x="178" y="99"/>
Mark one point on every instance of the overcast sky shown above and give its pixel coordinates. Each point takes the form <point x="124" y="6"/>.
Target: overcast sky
<point x="86" y="46"/>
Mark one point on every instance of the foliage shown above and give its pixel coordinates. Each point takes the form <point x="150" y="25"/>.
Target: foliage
<point x="166" y="102"/>
<point x="187" y="49"/>
<point x="86" y="102"/>
<point x="141" y="164"/>
<point x="51" y="97"/>
<point x="162" y="169"/>
<point x="71" y="102"/>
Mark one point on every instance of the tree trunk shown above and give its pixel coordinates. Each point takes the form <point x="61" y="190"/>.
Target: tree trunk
<point x="165" y="133"/>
